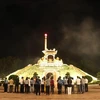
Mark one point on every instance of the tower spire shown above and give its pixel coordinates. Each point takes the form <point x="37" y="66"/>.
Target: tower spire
<point x="45" y="41"/>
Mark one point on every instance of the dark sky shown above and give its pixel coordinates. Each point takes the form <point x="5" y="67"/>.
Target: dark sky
<point x="73" y="27"/>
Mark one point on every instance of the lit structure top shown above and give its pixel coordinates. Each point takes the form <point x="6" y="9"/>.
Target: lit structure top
<point x="49" y="56"/>
<point x="45" y="35"/>
<point x="45" y="41"/>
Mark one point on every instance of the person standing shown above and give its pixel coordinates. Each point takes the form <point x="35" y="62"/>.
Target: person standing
<point x="32" y="85"/>
<point x="11" y="83"/>
<point x="69" y="81"/>
<point x="47" y="82"/>
<point x="38" y="83"/>
<point x="73" y="83"/>
<point x="59" y="85"/>
<point x="65" y="83"/>
<point x="5" y="85"/>
<point x="52" y="85"/>
<point x="26" y="85"/>
<point x="22" y="85"/>
<point x="29" y="84"/>
<point x="86" y="84"/>
<point x="17" y="84"/>
<point x="83" y="84"/>
<point x="42" y="85"/>
<point x="78" y="83"/>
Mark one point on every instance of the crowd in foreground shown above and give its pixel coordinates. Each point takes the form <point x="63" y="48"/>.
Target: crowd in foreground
<point x="46" y="85"/>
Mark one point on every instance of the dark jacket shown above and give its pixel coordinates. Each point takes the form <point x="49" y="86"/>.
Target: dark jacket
<point x="69" y="82"/>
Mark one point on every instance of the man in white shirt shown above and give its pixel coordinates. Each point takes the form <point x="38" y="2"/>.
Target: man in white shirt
<point x="78" y="83"/>
<point x="22" y="85"/>
<point x="65" y="83"/>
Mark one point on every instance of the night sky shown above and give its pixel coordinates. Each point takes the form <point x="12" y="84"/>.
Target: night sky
<point x="73" y="28"/>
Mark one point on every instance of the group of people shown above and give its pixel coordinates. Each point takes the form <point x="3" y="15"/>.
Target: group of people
<point x="33" y="85"/>
<point x="69" y="85"/>
<point x="46" y="85"/>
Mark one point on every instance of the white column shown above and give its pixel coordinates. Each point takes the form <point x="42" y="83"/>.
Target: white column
<point x="45" y="42"/>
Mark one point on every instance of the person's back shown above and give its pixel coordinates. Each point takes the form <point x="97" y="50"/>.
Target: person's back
<point x="22" y="85"/>
<point x="47" y="82"/>
<point x="26" y="85"/>
<point x="16" y="84"/>
<point x="32" y="85"/>
<point x="5" y="85"/>
<point x="11" y="82"/>
<point x="83" y="80"/>
<point x="59" y="85"/>
<point x="16" y="81"/>
<point x="52" y="85"/>
<point x="78" y="83"/>
<point x="37" y="83"/>
<point x="65" y="83"/>
<point x="69" y="85"/>
<point x="83" y="84"/>
<point x="42" y="85"/>
<point x="69" y="81"/>
<point x="60" y="82"/>
<point x="73" y="83"/>
<point x="86" y="85"/>
<point x="32" y="82"/>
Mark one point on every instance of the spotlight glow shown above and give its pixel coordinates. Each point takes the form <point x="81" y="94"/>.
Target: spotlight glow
<point x="45" y="34"/>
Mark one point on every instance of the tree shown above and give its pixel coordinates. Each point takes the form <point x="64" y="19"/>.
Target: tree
<point x="89" y="78"/>
<point x="35" y="75"/>
<point x="67" y="74"/>
<point x="98" y="75"/>
<point x="14" y="77"/>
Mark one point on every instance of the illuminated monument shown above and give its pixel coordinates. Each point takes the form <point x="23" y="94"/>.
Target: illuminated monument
<point x="49" y="57"/>
<point x="50" y="65"/>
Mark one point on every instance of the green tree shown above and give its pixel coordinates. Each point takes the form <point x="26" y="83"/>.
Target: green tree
<point x="98" y="75"/>
<point x="14" y="77"/>
<point x="35" y="75"/>
<point x="67" y="74"/>
<point x="89" y="78"/>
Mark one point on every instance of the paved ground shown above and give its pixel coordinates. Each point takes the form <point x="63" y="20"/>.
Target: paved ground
<point x="93" y="94"/>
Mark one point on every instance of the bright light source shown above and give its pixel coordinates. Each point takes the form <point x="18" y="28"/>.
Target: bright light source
<point x="45" y="34"/>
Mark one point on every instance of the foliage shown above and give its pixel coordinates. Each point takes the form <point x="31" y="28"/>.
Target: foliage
<point x="14" y="77"/>
<point x="98" y="75"/>
<point x="96" y="82"/>
<point x="67" y="74"/>
<point x="89" y="78"/>
<point x="35" y="75"/>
